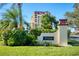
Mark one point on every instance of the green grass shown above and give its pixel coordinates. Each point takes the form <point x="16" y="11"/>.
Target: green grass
<point x="39" y="51"/>
<point x="1" y="42"/>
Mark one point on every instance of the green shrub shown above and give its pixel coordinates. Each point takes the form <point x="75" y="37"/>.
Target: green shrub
<point x="30" y="39"/>
<point x="73" y="42"/>
<point x="68" y="32"/>
<point x="0" y="35"/>
<point x="49" y="30"/>
<point x="11" y="42"/>
<point x="35" y="32"/>
<point x="43" y="43"/>
<point x="18" y="38"/>
<point x="5" y="36"/>
<point x="47" y="44"/>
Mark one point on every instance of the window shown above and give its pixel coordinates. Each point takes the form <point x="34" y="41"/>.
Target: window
<point x="38" y="17"/>
<point x="48" y="38"/>
<point x="35" y="16"/>
<point x="35" y="20"/>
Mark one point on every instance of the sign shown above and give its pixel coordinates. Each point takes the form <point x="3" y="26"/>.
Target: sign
<point x="48" y="38"/>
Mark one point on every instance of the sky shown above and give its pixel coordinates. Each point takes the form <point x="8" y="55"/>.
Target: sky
<point x="56" y="9"/>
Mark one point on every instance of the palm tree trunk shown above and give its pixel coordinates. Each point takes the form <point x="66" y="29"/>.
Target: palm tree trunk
<point x="20" y="16"/>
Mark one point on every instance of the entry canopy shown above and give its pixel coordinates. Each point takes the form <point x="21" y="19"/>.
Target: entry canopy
<point x="63" y="22"/>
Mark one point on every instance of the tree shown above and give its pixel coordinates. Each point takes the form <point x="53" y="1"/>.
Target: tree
<point x="4" y="26"/>
<point x="73" y="17"/>
<point x="47" y="21"/>
<point x="12" y="15"/>
<point x="19" y="5"/>
<point x="20" y="15"/>
<point x="10" y="21"/>
<point x="36" y="32"/>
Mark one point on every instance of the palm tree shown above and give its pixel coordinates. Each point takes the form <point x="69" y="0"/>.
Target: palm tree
<point x="12" y="15"/>
<point x="20" y="12"/>
<point x="20" y="15"/>
<point x="5" y="25"/>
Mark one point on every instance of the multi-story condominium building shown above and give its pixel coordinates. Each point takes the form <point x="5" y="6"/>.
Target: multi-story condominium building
<point x="36" y="19"/>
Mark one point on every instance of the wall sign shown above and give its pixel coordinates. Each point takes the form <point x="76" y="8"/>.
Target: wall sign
<point x="48" y="38"/>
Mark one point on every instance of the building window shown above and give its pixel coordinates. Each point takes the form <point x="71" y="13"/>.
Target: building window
<point x="38" y="18"/>
<point x="48" y="38"/>
<point x="35" y="16"/>
<point x="35" y="20"/>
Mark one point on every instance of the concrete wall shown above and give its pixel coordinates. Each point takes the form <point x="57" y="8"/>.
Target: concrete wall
<point x="60" y="36"/>
<point x="62" y="33"/>
<point x="40" y="38"/>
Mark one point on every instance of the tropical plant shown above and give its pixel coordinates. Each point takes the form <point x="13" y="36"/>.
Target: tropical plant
<point x="18" y="5"/>
<point x="36" y="32"/>
<point x="9" y="21"/>
<point x="5" y="37"/>
<point x="5" y="25"/>
<point x="18" y="38"/>
<point x="47" y="21"/>
<point x="30" y="40"/>
<point x="12" y="15"/>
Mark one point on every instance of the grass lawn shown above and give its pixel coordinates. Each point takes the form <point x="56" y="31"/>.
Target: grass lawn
<point x="39" y="51"/>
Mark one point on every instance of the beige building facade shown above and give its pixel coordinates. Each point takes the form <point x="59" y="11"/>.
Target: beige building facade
<point x="36" y="19"/>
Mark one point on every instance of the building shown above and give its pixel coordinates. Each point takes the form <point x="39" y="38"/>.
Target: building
<point x="59" y="37"/>
<point x="36" y="19"/>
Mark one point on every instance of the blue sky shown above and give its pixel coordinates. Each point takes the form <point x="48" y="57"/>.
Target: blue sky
<point x="56" y="9"/>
